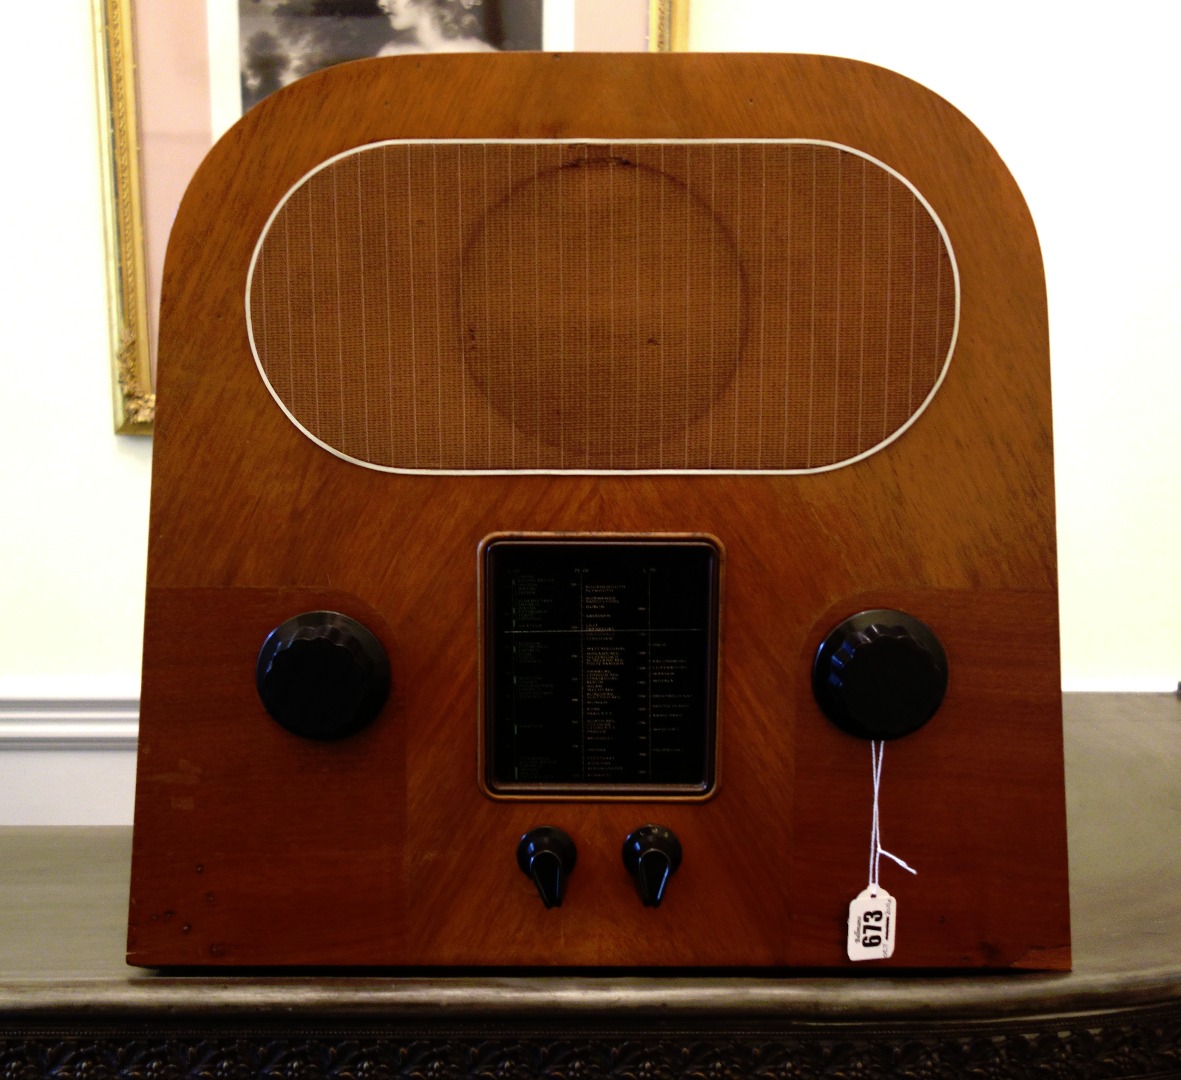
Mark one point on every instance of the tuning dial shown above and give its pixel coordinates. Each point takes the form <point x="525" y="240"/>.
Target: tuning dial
<point x="547" y="856"/>
<point x="651" y="854"/>
<point x="880" y="674"/>
<point x="322" y="675"/>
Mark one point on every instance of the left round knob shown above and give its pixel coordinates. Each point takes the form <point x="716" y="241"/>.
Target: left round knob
<point x="322" y="675"/>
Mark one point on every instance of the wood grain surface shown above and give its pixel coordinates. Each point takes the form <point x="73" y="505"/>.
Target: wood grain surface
<point x="253" y="847"/>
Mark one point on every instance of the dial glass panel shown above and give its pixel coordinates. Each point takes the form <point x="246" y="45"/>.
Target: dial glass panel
<point x="600" y="661"/>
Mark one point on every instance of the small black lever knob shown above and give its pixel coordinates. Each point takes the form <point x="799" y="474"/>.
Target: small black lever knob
<point x="547" y="856"/>
<point x="651" y="854"/>
<point x="322" y="675"/>
<point x="880" y="674"/>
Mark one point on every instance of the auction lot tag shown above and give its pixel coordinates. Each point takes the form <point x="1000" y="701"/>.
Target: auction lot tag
<point x="873" y="921"/>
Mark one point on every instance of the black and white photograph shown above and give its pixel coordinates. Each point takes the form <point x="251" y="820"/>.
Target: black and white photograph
<point x="283" y="40"/>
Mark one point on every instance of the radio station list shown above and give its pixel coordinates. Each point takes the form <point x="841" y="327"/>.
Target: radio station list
<point x="600" y="665"/>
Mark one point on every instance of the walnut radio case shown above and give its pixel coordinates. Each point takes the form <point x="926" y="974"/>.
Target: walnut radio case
<point x="598" y="503"/>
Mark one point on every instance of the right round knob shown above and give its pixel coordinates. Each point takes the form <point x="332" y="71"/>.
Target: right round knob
<point x="880" y="674"/>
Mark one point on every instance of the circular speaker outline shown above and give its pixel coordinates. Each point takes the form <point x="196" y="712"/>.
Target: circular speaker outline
<point x="691" y="200"/>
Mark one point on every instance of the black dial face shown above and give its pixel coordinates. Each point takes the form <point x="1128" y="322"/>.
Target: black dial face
<point x="600" y="666"/>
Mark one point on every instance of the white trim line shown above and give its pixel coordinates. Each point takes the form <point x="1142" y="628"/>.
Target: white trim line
<point x="68" y="724"/>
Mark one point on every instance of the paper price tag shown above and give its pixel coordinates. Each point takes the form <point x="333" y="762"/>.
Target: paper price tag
<point x="873" y="922"/>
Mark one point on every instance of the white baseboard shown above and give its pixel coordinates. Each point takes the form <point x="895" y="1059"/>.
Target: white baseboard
<point x="68" y="724"/>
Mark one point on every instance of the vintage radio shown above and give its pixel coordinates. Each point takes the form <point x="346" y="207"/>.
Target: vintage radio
<point x="601" y="504"/>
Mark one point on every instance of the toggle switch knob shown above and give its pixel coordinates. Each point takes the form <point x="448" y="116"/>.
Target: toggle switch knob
<point x="322" y="675"/>
<point x="880" y="674"/>
<point x="547" y="856"/>
<point x="651" y="854"/>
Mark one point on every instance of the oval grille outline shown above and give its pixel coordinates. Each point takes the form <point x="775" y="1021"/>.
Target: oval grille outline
<point x="834" y="374"/>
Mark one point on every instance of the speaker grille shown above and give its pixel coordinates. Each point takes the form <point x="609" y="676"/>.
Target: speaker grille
<point x="684" y="306"/>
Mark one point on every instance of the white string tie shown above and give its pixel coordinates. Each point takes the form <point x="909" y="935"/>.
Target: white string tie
<point x="877" y="752"/>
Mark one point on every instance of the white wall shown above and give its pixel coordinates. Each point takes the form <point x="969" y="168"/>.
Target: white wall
<point x="1075" y="105"/>
<point x="73" y="497"/>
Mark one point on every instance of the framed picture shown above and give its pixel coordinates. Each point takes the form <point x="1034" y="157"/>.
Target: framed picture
<point x="173" y="77"/>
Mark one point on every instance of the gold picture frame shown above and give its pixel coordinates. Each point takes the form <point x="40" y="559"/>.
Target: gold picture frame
<point x="128" y="265"/>
<point x="668" y="25"/>
<point x="123" y="223"/>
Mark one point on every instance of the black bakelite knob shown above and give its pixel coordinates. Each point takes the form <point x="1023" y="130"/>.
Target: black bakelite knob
<point x="547" y="856"/>
<point x="651" y="854"/>
<point x="322" y="675"/>
<point x="880" y="674"/>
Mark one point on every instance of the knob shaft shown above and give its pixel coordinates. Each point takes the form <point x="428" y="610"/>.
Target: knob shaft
<point x="322" y="675"/>
<point x="651" y="854"/>
<point x="880" y="674"/>
<point x="547" y="856"/>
